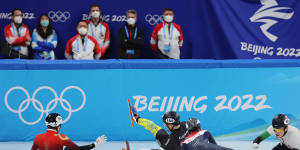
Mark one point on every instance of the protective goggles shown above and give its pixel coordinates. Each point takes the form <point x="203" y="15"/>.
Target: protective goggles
<point x="279" y="130"/>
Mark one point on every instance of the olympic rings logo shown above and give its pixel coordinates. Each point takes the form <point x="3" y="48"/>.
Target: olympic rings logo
<point x="59" y="16"/>
<point x="38" y="105"/>
<point x="153" y="19"/>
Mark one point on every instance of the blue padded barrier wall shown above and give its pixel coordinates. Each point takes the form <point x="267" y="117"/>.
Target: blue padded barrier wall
<point x="233" y="99"/>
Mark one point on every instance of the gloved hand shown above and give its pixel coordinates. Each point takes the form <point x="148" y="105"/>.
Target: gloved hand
<point x="41" y="43"/>
<point x="47" y="45"/>
<point x="134" y="111"/>
<point x="255" y="145"/>
<point x="100" y="140"/>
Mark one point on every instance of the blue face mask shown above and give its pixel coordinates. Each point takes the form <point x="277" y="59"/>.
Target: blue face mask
<point x="45" y="23"/>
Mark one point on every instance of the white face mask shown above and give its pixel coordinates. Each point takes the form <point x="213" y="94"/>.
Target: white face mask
<point x="18" y="19"/>
<point x="131" y="21"/>
<point x="95" y="14"/>
<point x="168" y="18"/>
<point x="82" y="31"/>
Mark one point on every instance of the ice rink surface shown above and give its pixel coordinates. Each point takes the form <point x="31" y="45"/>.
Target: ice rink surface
<point x="137" y="145"/>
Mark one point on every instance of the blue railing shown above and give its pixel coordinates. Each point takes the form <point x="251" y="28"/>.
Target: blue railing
<point x="144" y="64"/>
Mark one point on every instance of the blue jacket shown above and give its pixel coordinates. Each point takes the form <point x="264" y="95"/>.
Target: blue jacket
<point x="44" y="48"/>
<point x="201" y="140"/>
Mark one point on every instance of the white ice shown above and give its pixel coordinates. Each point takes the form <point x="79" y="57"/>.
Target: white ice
<point x="137" y="145"/>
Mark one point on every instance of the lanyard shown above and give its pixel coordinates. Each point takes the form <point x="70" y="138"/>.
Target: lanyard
<point x="85" y="43"/>
<point x="172" y="28"/>
<point x="127" y="33"/>
<point x="92" y="29"/>
<point x="14" y="30"/>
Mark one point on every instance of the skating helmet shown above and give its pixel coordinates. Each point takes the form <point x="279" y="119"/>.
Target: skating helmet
<point x="193" y="124"/>
<point x="280" y="121"/>
<point x="171" y="117"/>
<point x="53" y="120"/>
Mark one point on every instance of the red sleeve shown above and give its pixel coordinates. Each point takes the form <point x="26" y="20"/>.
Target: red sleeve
<point x="27" y="31"/>
<point x="96" y="48"/>
<point x="34" y="145"/>
<point x="154" y="37"/>
<point x="107" y="33"/>
<point x="88" y="22"/>
<point x="22" y="41"/>
<point x="67" y="142"/>
<point x="69" y="46"/>
<point x="11" y="39"/>
<point x="106" y="39"/>
<point x="181" y="35"/>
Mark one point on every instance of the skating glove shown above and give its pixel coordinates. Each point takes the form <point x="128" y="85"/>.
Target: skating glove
<point x="100" y="140"/>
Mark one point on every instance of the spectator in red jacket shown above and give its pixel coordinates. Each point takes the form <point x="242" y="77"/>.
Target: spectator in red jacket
<point x="17" y="35"/>
<point x="83" y="46"/>
<point x="99" y="29"/>
<point x="167" y="38"/>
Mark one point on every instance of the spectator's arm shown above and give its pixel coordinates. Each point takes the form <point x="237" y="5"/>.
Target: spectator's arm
<point x="154" y="39"/>
<point x="35" y="42"/>
<point x="139" y="41"/>
<point x="106" y="40"/>
<point x="68" y="51"/>
<point x="12" y="40"/>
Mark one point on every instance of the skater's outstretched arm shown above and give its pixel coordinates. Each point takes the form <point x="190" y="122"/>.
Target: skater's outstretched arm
<point x="100" y="140"/>
<point x="160" y="134"/>
<point x="85" y="147"/>
<point x="260" y="138"/>
<point x="147" y="124"/>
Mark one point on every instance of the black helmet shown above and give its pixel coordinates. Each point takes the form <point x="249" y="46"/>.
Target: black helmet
<point x="193" y="124"/>
<point x="53" y="120"/>
<point x="280" y="121"/>
<point x="171" y="117"/>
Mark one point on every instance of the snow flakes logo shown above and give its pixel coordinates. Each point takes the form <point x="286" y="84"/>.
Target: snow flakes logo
<point x="268" y="14"/>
